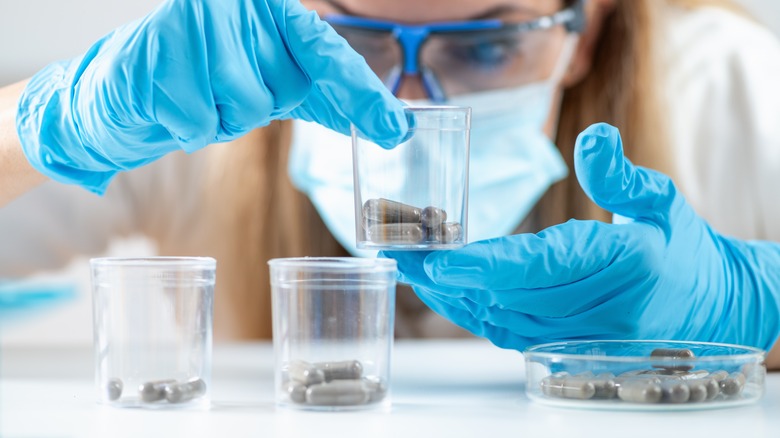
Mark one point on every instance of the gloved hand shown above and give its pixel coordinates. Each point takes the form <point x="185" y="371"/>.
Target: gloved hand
<point x="662" y="274"/>
<point x="195" y="72"/>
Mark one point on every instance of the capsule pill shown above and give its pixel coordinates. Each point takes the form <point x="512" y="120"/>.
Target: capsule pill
<point x="113" y="389"/>
<point x="296" y="391"/>
<point x="377" y="390"/>
<point x="432" y="217"/>
<point x="713" y="388"/>
<point x="449" y="232"/>
<point x="182" y="392"/>
<point x="154" y="391"/>
<point x="670" y="355"/>
<point x="304" y="372"/>
<point x="698" y="390"/>
<point x="347" y="369"/>
<point x="338" y="393"/>
<point x="733" y="384"/>
<point x="640" y="391"/>
<point x="568" y="387"/>
<point x="675" y="391"/>
<point x="390" y="212"/>
<point x="401" y="233"/>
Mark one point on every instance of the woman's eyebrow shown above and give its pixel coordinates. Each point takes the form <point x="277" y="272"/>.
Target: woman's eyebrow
<point x="494" y="12"/>
<point x="340" y="7"/>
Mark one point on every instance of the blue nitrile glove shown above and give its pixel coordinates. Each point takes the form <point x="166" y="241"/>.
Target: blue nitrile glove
<point x="195" y="72"/>
<point x="662" y="274"/>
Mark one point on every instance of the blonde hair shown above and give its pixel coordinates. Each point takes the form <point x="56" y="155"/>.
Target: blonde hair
<point x="625" y="88"/>
<point x="622" y="88"/>
<point x="255" y="214"/>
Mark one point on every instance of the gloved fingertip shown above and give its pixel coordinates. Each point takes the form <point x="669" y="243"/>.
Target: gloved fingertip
<point x="394" y="128"/>
<point x="596" y="133"/>
<point x="599" y="163"/>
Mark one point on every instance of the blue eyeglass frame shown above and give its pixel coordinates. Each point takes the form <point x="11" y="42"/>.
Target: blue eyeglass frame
<point x="412" y="37"/>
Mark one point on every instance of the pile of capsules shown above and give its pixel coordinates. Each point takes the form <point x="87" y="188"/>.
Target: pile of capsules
<point x="391" y="222"/>
<point x="331" y="384"/>
<point x="663" y="384"/>
<point x="169" y="390"/>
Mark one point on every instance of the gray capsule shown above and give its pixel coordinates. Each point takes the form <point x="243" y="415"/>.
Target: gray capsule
<point x="296" y="391"/>
<point x="711" y="385"/>
<point x="568" y="387"/>
<point x="604" y="384"/>
<point x="304" y="372"/>
<point x="347" y="369"/>
<point x="182" y="392"/>
<point x="675" y="391"/>
<point x="450" y="232"/>
<point x="719" y="376"/>
<point x="154" y="391"/>
<point x="113" y="389"/>
<point x="377" y="390"/>
<point x="645" y="378"/>
<point x="338" y="393"/>
<point x="691" y="375"/>
<point x="432" y="217"/>
<point x="390" y="212"/>
<point x="699" y="391"/>
<point x="672" y="354"/>
<point x="395" y="233"/>
<point x="733" y="384"/>
<point x="639" y="391"/>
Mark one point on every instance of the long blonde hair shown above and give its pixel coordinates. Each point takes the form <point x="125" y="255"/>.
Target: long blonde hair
<point x="257" y="215"/>
<point x="625" y="88"/>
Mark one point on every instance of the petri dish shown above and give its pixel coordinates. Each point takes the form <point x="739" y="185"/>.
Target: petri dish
<point x="644" y="375"/>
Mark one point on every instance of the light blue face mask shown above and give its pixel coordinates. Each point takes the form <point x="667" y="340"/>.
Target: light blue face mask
<point x="512" y="163"/>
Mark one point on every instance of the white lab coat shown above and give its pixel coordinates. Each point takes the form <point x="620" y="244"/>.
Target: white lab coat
<point x="724" y="116"/>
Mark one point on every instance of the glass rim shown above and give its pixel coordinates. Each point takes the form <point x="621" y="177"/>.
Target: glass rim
<point x="334" y="264"/>
<point x="433" y="108"/>
<point x="538" y="351"/>
<point x="155" y="261"/>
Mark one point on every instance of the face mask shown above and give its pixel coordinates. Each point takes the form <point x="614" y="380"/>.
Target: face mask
<point x="511" y="164"/>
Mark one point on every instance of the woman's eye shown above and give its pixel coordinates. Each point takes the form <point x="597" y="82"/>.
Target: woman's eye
<point x="484" y="53"/>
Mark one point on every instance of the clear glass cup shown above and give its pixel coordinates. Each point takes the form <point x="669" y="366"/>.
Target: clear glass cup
<point x="415" y="196"/>
<point x="153" y="330"/>
<point x="333" y="332"/>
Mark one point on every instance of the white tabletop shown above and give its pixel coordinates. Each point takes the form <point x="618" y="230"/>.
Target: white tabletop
<point x="439" y="389"/>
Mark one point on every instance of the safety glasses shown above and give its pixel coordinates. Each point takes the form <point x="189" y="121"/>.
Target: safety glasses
<point x="460" y="57"/>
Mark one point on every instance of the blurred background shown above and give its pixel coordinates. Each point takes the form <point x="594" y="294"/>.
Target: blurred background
<point x="36" y="32"/>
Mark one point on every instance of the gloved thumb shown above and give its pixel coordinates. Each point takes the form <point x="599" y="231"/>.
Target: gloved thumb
<point x="614" y="183"/>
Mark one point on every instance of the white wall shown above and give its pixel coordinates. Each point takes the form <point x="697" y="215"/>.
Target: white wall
<point x="32" y="34"/>
<point x="766" y="11"/>
<point x="36" y="32"/>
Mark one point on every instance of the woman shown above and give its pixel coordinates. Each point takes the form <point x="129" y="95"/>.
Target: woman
<point x="245" y="214"/>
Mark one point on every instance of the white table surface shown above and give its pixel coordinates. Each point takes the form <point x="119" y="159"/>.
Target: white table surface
<point x="439" y="389"/>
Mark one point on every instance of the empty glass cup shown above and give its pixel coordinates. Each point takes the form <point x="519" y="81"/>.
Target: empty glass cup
<point x="152" y="330"/>
<point x="415" y="196"/>
<point x="333" y="332"/>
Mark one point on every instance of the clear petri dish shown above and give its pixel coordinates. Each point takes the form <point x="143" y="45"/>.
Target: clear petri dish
<point x="644" y="375"/>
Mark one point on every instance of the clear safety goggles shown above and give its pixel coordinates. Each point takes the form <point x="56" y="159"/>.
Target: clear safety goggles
<point x="459" y="57"/>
